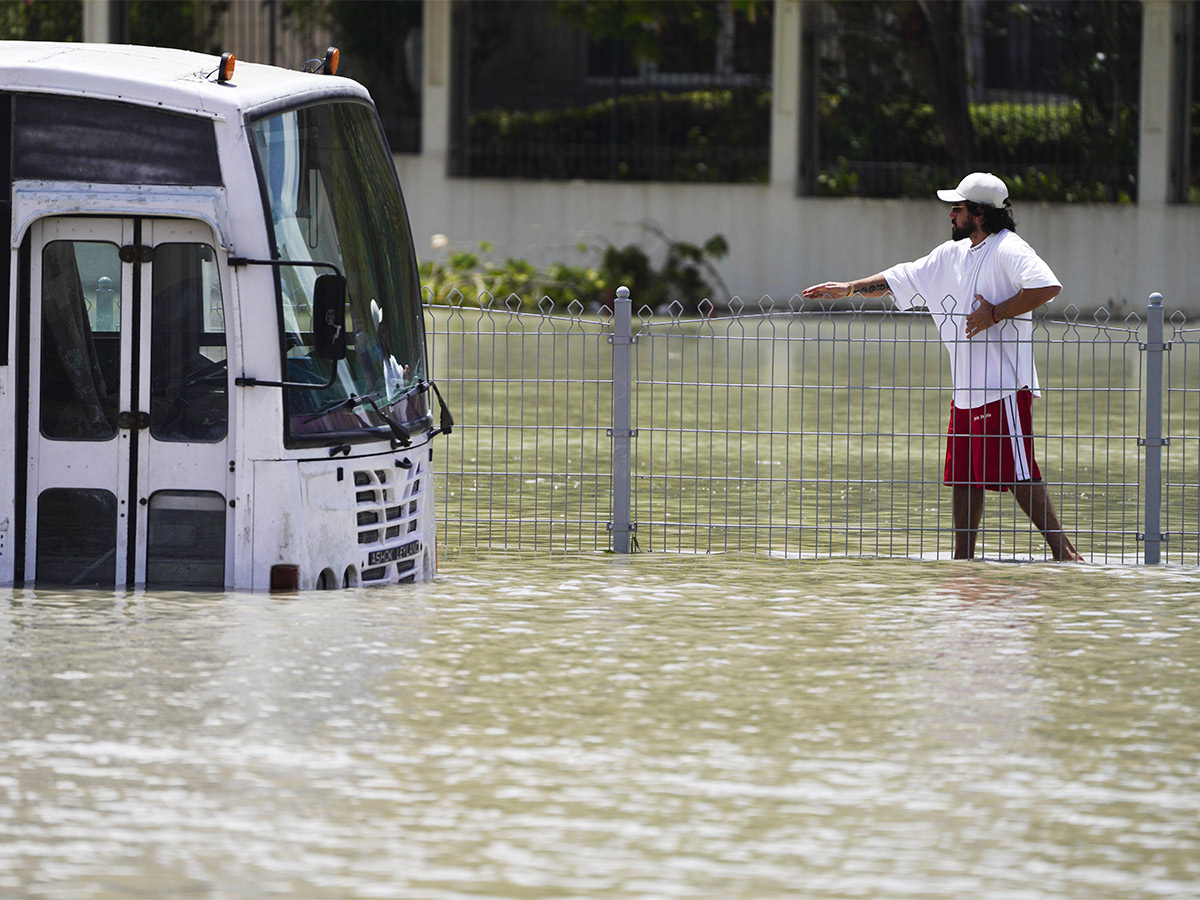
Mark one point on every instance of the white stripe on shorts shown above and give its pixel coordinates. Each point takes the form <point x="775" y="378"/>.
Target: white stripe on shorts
<point x="1021" y="469"/>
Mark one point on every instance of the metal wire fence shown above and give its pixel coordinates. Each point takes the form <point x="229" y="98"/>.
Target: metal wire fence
<point x="793" y="430"/>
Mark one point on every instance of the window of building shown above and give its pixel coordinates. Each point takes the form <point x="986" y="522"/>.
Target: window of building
<point x="546" y="89"/>
<point x="907" y="96"/>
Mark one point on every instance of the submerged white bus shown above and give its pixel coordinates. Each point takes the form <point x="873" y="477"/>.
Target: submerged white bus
<point x="212" y="353"/>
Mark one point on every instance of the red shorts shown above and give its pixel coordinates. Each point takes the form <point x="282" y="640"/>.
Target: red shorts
<point x="991" y="446"/>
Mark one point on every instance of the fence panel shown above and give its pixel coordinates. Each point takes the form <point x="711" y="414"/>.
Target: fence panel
<point x="1089" y="421"/>
<point x="791" y="431"/>
<point x="529" y="464"/>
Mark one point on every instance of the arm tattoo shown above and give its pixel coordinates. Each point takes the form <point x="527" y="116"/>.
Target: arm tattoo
<point x="878" y="286"/>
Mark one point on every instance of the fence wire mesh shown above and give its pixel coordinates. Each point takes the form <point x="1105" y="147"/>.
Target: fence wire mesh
<point x="789" y="430"/>
<point x="529" y="464"/>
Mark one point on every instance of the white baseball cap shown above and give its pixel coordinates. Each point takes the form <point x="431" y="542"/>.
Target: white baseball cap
<point x="978" y="187"/>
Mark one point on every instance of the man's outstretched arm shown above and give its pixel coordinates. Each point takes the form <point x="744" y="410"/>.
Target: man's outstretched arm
<point x="835" y="290"/>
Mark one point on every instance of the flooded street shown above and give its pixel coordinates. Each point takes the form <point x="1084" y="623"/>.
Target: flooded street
<point x="602" y="727"/>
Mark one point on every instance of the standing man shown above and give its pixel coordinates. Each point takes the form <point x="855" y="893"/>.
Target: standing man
<point x="981" y="288"/>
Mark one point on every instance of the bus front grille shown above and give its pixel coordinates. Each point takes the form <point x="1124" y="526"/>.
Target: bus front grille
<point x="389" y="503"/>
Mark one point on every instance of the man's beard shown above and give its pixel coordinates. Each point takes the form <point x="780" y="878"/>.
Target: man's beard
<point x="960" y="232"/>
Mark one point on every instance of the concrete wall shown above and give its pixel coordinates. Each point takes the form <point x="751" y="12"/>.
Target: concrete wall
<point x="1107" y="256"/>
<point x="1111" y="257"/>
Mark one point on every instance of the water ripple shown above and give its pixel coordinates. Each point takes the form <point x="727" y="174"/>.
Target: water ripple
<point x="611" y="728"/>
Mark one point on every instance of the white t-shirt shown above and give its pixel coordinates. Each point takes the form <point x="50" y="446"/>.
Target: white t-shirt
<point x="998" y="361"/>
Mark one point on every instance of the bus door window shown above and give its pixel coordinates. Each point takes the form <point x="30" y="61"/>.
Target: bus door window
<point x="189" y="396"/>
<point x="81" y="340"/>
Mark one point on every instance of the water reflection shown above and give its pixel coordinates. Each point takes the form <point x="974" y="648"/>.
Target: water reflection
<point x="598" y="727"/>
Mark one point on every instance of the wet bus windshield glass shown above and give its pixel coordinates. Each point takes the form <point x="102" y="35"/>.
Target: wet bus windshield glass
<point x="333" y="197"/>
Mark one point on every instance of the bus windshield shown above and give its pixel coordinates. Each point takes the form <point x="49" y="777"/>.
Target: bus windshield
<point x="333" y="198"/>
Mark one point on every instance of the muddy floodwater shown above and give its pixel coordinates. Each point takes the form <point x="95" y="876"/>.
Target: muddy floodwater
<point x="602" y="727"/>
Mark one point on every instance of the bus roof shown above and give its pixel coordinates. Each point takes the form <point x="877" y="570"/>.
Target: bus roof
<point x="179" y="80"/>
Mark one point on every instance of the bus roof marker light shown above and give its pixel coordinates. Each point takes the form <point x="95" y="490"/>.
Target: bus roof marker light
<point x="224" y="71"/>
<point x="333" y="57"/>
<point x="327" y="66"/>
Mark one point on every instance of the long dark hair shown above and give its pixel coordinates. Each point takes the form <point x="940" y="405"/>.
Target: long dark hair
<point x="995" y="218"/>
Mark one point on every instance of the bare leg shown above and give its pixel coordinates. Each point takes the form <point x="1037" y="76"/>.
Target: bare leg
<point x="1034" y="500"/>
<point x="967" y="510"/>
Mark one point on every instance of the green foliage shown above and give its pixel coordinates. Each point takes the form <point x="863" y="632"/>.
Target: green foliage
<point x="41" y="20"/>
<point x="839" y="180"/>
<point x="684" y="276"/>
<point x="895" y="118"/>
<point x="640" y="24"/>
<point x="186" y="24"/>
<point x="697" y="136"/>
<point x="472" y="273"/>
<point x="373" y="36"/>
<point x="1043" y="151"/>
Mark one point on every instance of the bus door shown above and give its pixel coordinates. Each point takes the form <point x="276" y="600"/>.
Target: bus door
<point x="129" y="469"/>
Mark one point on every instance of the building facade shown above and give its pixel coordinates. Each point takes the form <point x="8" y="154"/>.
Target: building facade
<point x="791" y="209"/>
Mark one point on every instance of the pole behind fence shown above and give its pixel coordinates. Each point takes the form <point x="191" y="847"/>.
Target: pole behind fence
<point x="1153" y="440"/>
<point x="622" y="432"/>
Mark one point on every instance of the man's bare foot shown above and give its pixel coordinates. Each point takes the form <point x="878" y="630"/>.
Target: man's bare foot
<point x="1068" y="553"/>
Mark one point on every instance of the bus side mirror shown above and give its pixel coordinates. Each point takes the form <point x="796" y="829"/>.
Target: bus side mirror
<point x="329" y="317"/>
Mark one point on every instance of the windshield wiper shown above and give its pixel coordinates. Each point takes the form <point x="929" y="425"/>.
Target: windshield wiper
<point x="399" y="433"/>
<point x="349" y="402"/>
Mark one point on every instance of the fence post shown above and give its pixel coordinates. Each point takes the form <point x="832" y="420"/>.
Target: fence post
<point x="622" y="433"/>
<point x="1153" y="440"/>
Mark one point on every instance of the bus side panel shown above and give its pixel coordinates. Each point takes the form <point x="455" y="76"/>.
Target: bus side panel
<point x="8" y="422"/>
<point x="8" y="436"/>
<point x="278" y="528"/>
<point x="13" y="417"/>
<point x="329" y="516"/>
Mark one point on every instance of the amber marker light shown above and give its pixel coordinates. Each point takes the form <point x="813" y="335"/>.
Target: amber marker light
<point x="332" y="57"/>
<point x="225" y="70"/>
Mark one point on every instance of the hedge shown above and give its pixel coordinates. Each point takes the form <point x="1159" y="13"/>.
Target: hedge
<point x="1045" y="151"/>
